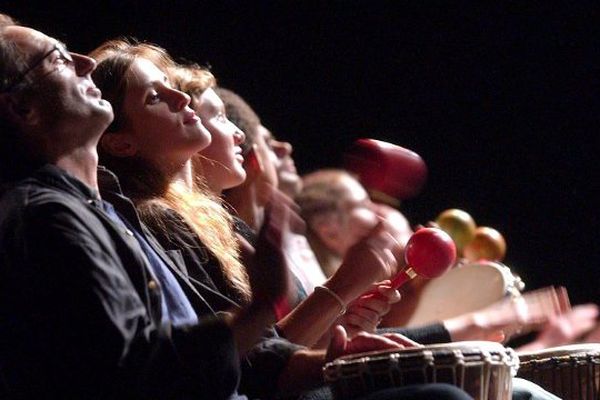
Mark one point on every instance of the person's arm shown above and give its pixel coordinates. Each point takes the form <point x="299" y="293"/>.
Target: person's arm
<point x="565" y="329"/>
<point x="371" y="260"/>
<point x="268" y="283"/>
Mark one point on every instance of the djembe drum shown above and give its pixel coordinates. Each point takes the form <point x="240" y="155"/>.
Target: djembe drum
<point x="482" y="369"/>
<point x="571" y="372"/>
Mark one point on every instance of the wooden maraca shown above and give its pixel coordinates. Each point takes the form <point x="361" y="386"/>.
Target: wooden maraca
<point x="429" y="253"/>
<point x="390" y="173"/>
<point x="487" y="244"/>
<point x="459" y="225"/>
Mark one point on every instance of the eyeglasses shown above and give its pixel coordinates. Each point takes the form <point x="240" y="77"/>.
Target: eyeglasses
<point x="64" y="58"/>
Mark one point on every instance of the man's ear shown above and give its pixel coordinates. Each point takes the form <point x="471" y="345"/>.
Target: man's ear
<point x="118" y="144"/>
<point x="16" y="111"/>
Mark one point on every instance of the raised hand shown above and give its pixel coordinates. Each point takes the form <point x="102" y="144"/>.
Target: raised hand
<point x="267" y="269"/>
<point x="372" y="259"/>
<point x="399" y="225"/>
<point x="269" y="276"/>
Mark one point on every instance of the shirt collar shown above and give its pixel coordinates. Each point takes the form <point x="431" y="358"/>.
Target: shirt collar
<point x="60" y="178"/>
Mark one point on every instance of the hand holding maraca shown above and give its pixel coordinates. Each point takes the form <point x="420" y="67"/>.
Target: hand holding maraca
<point x="375" y="258"/>
<point x="429" y="253"/>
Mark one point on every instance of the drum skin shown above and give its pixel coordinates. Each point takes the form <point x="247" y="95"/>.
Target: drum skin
<point x="571" y="372"/>
<point x="471" y="287"/>
<point x="482" y="369"/>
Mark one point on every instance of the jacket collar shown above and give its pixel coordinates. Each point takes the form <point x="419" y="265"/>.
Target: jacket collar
<point x="111" y="191"/>
<point x="61" y="179"/>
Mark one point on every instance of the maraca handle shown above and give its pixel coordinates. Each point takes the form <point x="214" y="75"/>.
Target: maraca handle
<point x="403" y="277"/>
<point x="400" y="279"/>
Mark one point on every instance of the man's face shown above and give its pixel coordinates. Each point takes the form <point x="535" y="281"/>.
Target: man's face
<point x="60" y="95"/>
<point x="267" y="155"/>
<point x="289" y="180"/>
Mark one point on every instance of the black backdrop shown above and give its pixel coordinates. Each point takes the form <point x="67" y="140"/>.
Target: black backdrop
<point x="501" y="101"/>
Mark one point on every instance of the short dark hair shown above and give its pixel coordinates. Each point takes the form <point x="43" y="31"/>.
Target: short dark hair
<point x="241" y="114"/>
<point x="15" y="160"/>
<point x="13" y="63"/>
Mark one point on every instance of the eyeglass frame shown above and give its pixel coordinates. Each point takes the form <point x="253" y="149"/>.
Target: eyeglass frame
<point x="64" y="54"/>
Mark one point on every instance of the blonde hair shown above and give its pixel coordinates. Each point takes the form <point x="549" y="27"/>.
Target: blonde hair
<point x="149" y="188"/>
<point x="193" y="80"/>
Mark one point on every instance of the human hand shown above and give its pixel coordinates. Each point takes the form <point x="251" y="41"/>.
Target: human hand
<point x="267" y="266"/>
<point x="566" y="328"/>
<point x="400" y="227"/>
<point x="341" y="345"/>
<point x="366" y="312"/>
<point x="510" y="316"/>
<point x="372" y="259"/>
<point x="594" y="335"/>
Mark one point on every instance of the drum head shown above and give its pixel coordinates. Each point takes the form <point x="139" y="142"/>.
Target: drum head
<point x="463" y="289"/>
<point x="482" y="369"/>
<point x="478" y="346"/>
<point x="572" y="350"/>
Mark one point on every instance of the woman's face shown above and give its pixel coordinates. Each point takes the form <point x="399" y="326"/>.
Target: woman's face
<point x="222" y="161"/>
<point x="160" y="125"/>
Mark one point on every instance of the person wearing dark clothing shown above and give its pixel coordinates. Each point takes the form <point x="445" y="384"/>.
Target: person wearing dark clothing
<point x="79" y="300"/>
<point x="81" y="308"/>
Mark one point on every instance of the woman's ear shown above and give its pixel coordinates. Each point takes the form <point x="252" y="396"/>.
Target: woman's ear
<point x="118" y="144"/>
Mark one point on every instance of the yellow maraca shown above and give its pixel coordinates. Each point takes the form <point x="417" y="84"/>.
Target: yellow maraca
<point x="459" y="225"/>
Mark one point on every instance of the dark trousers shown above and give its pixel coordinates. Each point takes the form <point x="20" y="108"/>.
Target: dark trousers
<point x="434" y="391"/>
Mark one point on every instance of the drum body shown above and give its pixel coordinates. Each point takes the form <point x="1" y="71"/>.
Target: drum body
<point x="571" y="372"/>
<point x="463" y="289"/>
<point x="482" y="369"/>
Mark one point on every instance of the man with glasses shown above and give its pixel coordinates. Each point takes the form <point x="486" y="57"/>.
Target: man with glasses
<point x="80" y="303"/>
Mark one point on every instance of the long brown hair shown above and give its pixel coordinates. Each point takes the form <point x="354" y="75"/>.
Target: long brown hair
<point x="147" y="186"/>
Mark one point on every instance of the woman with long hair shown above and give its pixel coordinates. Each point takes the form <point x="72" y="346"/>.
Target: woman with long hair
<point x="223" y="167"/>
<point x="150" y="146"/>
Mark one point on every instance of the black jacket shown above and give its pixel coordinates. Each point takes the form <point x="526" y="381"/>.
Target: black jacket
<point x="266" y="360"/>
<point x="80" y="309"/>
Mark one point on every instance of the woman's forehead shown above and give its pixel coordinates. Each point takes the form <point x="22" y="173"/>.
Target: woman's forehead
<point x="143" y="71"/>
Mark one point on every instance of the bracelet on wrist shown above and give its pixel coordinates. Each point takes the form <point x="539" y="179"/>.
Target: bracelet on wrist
<point x="334" y="295"/>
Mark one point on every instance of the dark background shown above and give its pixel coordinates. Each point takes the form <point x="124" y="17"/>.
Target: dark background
<point x="501" y="101"/>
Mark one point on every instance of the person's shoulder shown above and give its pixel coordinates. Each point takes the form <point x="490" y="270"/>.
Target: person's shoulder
<point x="31" y="193"/>
<point x="157" y="212"/>
<point x="32" y="202"/>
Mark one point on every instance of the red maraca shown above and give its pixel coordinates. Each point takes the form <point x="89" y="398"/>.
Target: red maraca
<point x="429" y="253"/>
<point x="389" y="172"/>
